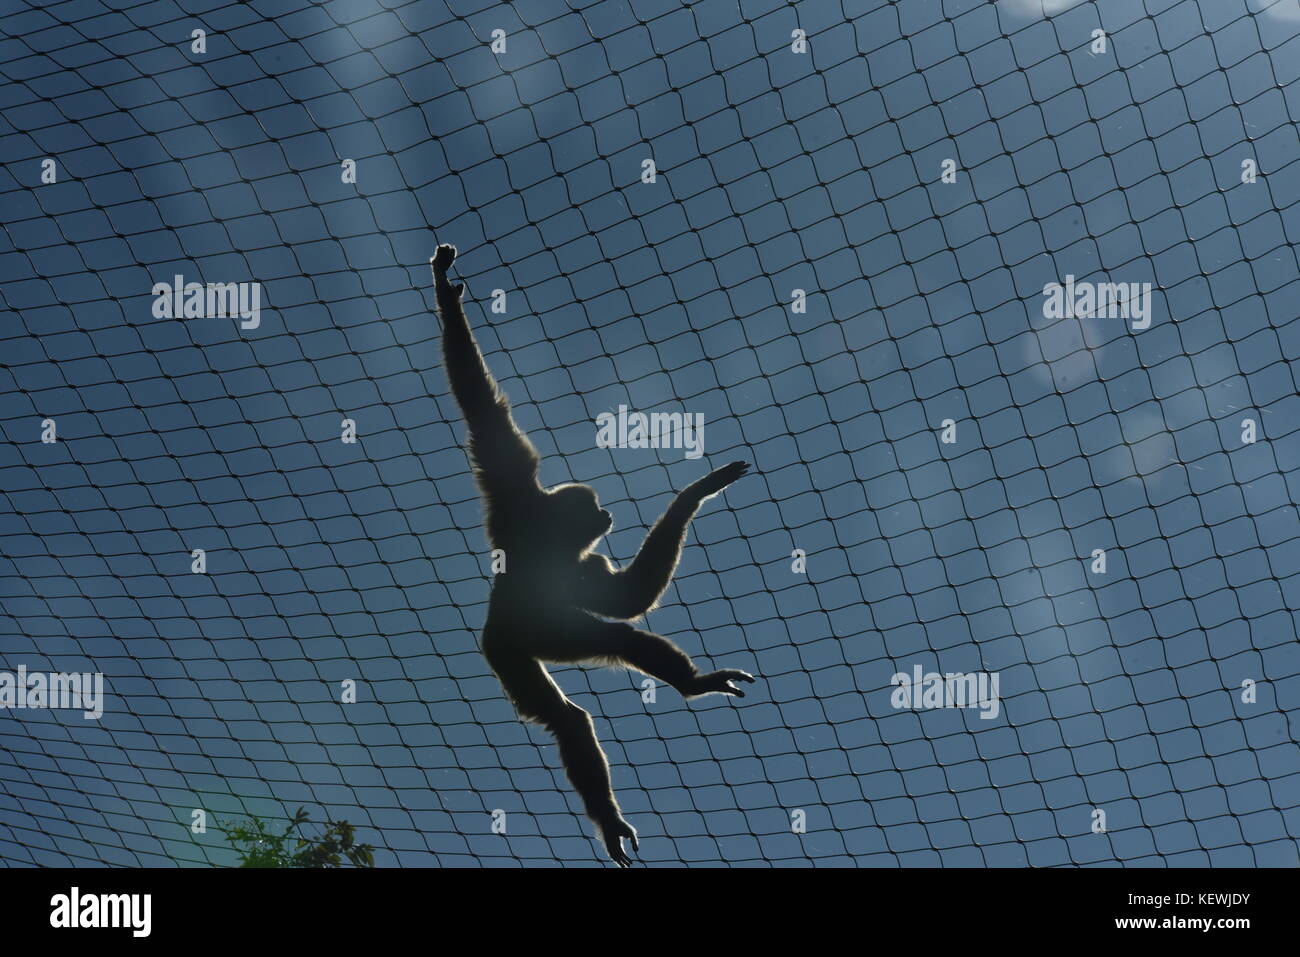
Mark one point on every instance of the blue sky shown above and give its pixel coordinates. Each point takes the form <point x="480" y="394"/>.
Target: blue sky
<point x="775" y="171"/>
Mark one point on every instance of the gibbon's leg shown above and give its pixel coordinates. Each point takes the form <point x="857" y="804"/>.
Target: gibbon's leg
<point x="619" y="643"/>
<point x="660" y="658"/>
<point x="538" y="698"/>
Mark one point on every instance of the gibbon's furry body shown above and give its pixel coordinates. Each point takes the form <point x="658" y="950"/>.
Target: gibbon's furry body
<point x="545" y="605"/>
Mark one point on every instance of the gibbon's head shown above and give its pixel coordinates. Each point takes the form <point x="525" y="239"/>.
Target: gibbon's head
<point x="575" y="520"/>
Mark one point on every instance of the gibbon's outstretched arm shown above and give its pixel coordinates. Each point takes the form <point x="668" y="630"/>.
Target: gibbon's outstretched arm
<point x="502" y="454"/>
<point x="632" y="592"/>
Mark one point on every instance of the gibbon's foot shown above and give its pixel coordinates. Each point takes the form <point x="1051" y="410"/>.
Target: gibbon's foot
<point x="612" y="832"/>
<point x="720" y="682"/>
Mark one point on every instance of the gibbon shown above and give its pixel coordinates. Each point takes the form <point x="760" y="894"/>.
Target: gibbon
<point x="553" y="601"/>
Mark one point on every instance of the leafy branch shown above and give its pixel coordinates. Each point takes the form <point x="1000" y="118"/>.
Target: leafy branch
<point x="259" y="846"/>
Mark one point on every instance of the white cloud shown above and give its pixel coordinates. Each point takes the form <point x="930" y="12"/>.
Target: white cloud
<point x="1282" y="9"/>
<point x="1037" y="8"/>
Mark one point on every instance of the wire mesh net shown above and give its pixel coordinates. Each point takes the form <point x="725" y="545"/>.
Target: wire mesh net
<point x="1161" y="692"/>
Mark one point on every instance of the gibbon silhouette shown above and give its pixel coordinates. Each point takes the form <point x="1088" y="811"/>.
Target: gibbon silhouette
<point x="544" y="606"/>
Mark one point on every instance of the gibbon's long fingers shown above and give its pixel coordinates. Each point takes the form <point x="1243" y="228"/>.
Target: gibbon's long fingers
<point x="612" y="832"/>
<point x="720" y="682"/>
<point x="732" y="675"/>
